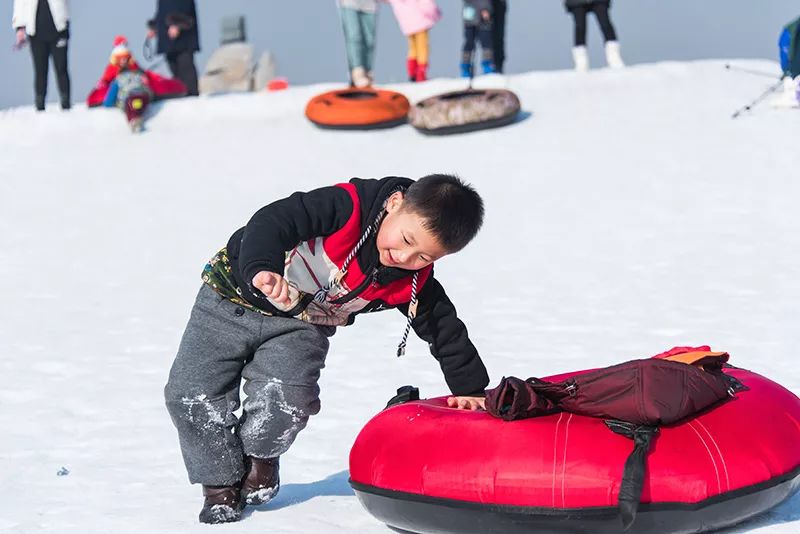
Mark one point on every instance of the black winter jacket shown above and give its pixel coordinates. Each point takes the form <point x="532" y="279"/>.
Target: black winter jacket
<point x="181" y="13"/>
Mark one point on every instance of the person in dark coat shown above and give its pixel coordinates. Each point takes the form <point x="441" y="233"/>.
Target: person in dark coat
<point x="175" y="26"/>
<point x="45" y="25"/>
<point x="499" y="9"/>
<point x="579" y="10"/>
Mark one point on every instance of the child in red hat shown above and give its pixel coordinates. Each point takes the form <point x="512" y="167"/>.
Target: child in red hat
<point x="128" y="85"/>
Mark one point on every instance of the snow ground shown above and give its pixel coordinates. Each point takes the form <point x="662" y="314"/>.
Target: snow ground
<point x="626" y="213"/>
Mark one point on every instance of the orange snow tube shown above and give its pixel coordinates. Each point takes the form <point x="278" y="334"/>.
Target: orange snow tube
<point x="358" y="109"/>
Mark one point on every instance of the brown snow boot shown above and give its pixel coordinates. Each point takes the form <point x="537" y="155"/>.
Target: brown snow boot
<point x="223" y="504"/>
<point x="262" y="481"/>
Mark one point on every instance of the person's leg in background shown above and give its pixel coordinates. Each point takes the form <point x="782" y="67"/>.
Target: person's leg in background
<point x="600" y="11"/>
<point x="411" y="60"/>
<point x="172" y="62"/>
<point x="468" y="50"/>
<point x="579" y="54"/>
<point x="354" y="44"/>
<point x="423" y="55"/>
<point x="59" y="52"/>
<point x="499" y="10"/>
<point x="613" y="56"/>
<point x="189" y="72"/>
<point x="487" y="52"/>
<point x="181" y="65"/>
<point x="367" y="22"/>
<point x="40" y="52"/>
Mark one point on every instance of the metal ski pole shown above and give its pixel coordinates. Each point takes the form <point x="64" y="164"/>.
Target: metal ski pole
<point x="735" y="68"/>
<point x="771" y="89"/>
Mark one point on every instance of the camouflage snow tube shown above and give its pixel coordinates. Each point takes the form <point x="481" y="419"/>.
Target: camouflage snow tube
<point x="464" y="111"/>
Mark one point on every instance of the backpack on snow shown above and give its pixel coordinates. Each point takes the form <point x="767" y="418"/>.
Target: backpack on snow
<point x="634" y="398"/>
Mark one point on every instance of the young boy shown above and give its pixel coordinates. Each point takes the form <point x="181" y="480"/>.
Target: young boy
<point x="301" y="267"/>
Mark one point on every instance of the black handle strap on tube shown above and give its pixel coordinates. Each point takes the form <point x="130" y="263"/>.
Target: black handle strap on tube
<point x="404" y="394"/>
<point x="630" y="491"/>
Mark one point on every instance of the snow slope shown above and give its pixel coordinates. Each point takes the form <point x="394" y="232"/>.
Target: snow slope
<point x="626" y="213"/>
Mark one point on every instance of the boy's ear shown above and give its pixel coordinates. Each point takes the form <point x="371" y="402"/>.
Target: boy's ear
<point x="394" y="202"/>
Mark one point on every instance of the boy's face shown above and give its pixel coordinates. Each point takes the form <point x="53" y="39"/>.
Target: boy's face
<point x="403" y="241"/>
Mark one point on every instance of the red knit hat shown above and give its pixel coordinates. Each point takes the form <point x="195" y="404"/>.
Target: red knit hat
<point x="120" y="48"/>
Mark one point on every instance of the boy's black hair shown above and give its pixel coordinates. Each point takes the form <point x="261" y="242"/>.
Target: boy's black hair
<point x="452" y="209"/>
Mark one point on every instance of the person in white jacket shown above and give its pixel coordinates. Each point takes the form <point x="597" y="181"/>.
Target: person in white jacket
<point x="45" y="25"/>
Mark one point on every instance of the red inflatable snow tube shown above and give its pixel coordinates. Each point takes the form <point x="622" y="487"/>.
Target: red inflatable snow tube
<point x="162" y="88"/>
<point x="423" y="467"/>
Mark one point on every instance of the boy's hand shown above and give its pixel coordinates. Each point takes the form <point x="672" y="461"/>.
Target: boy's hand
<point x="467" y="403"/>
<point x="485" y="15"/>
<point x="173" y="31"/>
<point x="274" y="286"/>
<point x="21" y="37"/>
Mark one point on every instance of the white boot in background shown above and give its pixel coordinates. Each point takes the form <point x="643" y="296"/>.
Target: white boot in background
<point x="788" y="97"/>
<point x="359" y="77"/>
<point x="581" y="58"/>
<point x="613" y="57"/>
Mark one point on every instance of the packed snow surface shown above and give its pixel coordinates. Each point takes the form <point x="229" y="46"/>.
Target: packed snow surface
<point x="626" y="214"/>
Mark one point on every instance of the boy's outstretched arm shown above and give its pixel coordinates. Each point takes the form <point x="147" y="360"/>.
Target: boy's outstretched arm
<point x="282" y="225"/>
<point x="438" y="324"/>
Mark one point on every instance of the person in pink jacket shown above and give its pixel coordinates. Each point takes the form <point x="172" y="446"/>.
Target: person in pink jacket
<point x="415" y="18"/>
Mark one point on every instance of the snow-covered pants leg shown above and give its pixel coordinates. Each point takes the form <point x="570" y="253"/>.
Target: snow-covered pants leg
<point x="222" y="343"/>
<point x="281" y="385"/>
